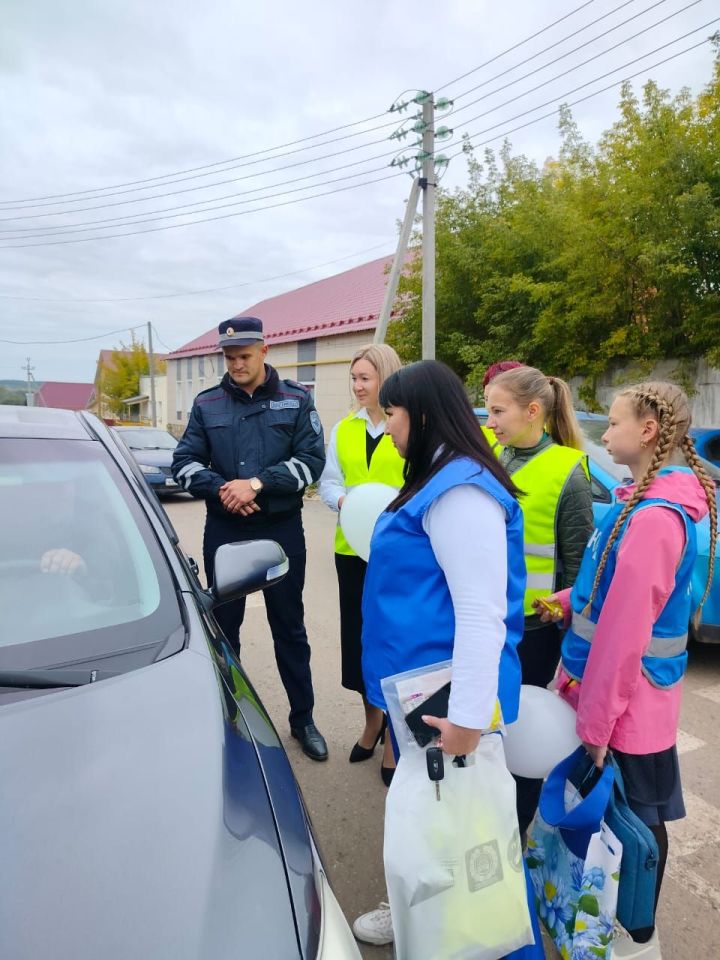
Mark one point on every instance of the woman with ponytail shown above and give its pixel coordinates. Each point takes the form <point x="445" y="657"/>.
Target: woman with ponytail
<point x="624" y="656"/>
<point x="540" y="445"/>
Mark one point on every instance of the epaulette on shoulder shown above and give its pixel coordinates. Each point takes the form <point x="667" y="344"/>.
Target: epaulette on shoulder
<point x="298" y="386"/>
<point x="217" y="390"/>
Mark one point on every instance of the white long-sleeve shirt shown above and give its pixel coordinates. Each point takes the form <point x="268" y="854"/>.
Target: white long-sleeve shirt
<point x="331" y="485"/>
<point x="466" y="527"/>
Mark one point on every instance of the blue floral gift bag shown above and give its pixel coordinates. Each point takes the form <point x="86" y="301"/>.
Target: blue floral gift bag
<point x="574" y="862"/>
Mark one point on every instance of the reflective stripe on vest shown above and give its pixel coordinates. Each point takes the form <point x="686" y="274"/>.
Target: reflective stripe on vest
<point x="386" y="464"/>
<point x="662" y="647"/>
<point x="665" y="661"/>
<point x="543" y="480"/>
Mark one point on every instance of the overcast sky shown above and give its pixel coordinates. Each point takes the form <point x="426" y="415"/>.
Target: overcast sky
<point x="96" y="94"/>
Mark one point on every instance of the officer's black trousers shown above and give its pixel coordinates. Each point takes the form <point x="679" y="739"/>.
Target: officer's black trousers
<point x="283" y="603"/>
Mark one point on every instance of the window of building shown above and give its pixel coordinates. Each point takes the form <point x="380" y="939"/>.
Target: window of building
<point x="306" y="356"/>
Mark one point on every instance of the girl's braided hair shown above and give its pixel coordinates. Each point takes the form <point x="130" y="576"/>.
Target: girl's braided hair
<point x="669" y="405"/>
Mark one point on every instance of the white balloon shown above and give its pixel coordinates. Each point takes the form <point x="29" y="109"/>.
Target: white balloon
<point x="359" y="513"/>
<point x="543" y="734"/>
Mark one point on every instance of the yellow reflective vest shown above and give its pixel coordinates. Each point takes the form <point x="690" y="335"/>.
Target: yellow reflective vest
<point x="542" y="480"/>
<point x="386" y="464"/>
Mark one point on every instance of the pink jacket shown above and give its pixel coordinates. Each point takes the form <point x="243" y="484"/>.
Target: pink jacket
<point x="616" y="705"/>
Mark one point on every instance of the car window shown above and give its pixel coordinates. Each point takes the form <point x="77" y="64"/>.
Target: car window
<point x="148" y="439"/>
<point x="82" y="576"/>
<point x="713" y="448"/>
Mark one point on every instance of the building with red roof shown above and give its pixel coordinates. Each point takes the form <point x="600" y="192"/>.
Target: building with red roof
<point x="63" y="396"/>
<point x="312" y="333"/>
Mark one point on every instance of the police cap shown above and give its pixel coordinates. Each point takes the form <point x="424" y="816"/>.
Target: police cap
<point x="240" y="331"/>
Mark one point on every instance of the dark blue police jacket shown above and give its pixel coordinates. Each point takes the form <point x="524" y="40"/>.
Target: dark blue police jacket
<point x="274" y="435"/>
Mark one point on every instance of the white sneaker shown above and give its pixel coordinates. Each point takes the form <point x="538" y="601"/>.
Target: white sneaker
<point x="624" y="947"/>
<point x="376" y="926"/>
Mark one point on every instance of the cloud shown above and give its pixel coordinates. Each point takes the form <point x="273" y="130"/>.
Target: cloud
<point x="97" y="94"/>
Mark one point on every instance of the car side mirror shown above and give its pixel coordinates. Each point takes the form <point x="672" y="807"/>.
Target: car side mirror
<point x="243" y="568"/>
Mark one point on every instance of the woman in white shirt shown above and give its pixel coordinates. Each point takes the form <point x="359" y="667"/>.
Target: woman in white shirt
<point x="359" y="452"/>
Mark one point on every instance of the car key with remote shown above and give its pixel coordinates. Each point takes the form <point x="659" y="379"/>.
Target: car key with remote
<point x="435" y="767"/>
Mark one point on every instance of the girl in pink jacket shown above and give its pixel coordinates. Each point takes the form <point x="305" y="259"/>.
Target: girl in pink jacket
<point x="624" y="656"/>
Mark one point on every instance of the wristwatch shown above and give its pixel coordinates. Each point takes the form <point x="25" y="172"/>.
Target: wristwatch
<point x="256" y="484"/>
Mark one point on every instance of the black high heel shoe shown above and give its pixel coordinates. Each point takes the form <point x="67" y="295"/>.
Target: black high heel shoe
<point x="358" y="753"/>
<point x="387" y="774"/>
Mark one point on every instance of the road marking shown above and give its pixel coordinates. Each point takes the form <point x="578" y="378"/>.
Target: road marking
<point x="699" y="830"/>
<point x="710" y="693"/>
<point x="694" y="883"/>
<point x="686" y="742"/>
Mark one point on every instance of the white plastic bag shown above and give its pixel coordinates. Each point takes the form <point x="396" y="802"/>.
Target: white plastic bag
<point x="453" y="867"/>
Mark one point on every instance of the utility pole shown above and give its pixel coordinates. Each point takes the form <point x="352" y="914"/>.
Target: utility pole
<point x="29" y="395"/>
<point x="151" y="360"/>
<point x="428" y="185"/>
<point x="398" y="262"/>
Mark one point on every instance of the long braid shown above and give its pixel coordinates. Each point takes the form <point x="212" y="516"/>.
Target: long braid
<point x="695" y="463"/>
<point x="663" y="448"/>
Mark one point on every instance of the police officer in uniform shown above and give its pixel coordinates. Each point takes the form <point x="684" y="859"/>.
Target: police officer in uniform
<point x="251" y="446"/>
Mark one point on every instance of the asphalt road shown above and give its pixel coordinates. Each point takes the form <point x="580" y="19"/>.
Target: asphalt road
<point x="346" y="801"/>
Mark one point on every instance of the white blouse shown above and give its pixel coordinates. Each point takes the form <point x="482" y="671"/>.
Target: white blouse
<point x="466" y="527"/>
<point x="331" y="485"/>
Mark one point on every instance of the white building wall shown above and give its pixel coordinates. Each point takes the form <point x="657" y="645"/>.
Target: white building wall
<point x="186" y="377"/>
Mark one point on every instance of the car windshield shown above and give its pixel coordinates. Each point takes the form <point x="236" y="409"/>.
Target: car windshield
<point x="147" y="439"/>
<point x="83" y="579"/>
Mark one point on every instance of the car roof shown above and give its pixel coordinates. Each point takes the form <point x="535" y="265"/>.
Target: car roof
<point x="43" y="423"/>
<point x="126" y="427"/>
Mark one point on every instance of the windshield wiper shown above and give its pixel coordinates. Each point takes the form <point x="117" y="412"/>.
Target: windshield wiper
<point x="47" y="679"/>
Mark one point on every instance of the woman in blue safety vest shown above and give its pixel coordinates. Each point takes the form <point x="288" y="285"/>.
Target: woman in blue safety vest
<point x="446" y="575"/>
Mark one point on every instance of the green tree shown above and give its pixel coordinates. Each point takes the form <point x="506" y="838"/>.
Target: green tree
<point x="121" y="376"/>
<point x="607" y="255"/>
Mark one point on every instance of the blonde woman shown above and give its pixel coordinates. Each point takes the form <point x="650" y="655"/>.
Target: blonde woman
<point x="359" y="452"/>
<point x="624" y="656"/>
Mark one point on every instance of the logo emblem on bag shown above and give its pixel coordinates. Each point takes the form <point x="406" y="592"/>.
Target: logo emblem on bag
<point x="483" y="866"/>
<point x="514" y="852"/>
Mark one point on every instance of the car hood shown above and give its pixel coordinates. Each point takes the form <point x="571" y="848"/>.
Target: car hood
<point x="136" y="823"/>
<point x="153" y="458"/>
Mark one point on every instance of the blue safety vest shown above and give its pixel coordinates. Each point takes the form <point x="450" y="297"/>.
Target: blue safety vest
<point x="408" y="615"/>
<point x="666" y="659"/>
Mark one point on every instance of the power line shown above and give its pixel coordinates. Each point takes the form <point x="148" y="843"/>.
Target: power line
<point x="208" y="166"/>
<point x="562" y="56"/>
<point x="584" y="63"/>
<point x="515" y="46"/>
<point x="581" y="86"/>
<point x="225" y="216"/>
<point x="160" y="340"/>
<point x="177" y="177"/>
<point x="203" y="203"/>
<point x="132" y="221"/>
<point x="193" y="293"/>
<point x="199" y="203"/>
<point x="77" y="340"/>
<point x="573" y="103"/>
<point x="217" y="183"/>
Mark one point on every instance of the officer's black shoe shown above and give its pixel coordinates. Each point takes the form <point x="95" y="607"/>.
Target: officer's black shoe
<point x="312" y="741"/>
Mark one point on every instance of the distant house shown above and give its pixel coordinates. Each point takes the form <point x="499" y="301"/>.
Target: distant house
<point x="136" y="407"/>
<point x="139" y="408"/>
<point x="63" y="396"/>
<point x="312" y="333"/>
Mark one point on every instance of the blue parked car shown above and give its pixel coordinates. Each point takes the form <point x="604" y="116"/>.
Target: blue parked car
<point x="606" y="475"/>
<point x="707" y="443"/>
<point x="153" y="450"/>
